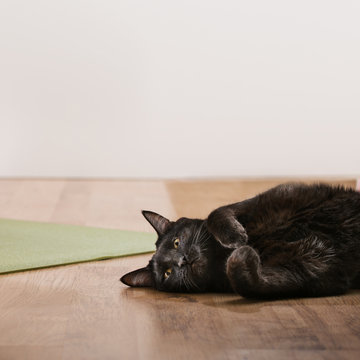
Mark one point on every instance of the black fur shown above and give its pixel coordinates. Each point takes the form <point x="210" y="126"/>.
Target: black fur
<point x="292" y="240"/>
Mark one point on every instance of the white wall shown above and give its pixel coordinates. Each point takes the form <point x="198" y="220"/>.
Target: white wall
<point x="126" y="88"/>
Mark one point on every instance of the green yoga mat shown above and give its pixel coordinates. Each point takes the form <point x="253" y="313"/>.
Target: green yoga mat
<point x="28" y="245"/>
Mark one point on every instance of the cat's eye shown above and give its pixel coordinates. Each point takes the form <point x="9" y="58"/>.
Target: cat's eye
<point x="176" y="243"/>
<point x="167" y="273"/>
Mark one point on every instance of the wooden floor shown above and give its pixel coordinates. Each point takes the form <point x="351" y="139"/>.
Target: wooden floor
<point x="84" y="312"/>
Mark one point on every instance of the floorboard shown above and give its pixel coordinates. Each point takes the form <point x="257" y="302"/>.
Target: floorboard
<point x="82" y="311"/>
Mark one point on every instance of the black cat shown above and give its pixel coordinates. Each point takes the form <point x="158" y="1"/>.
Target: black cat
<point x="292" y="240"/>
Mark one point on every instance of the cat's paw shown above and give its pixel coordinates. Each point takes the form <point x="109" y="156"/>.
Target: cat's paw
<point x="233" y="240"/>
<point x="243" y="269"/>
<point x="226" y="228"/>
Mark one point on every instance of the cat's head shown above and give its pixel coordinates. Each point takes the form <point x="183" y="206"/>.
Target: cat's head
<point x="183" y="258"/>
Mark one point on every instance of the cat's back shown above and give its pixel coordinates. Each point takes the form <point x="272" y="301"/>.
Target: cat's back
<point x="301" y="196"/>
<point x="305" y="206"/>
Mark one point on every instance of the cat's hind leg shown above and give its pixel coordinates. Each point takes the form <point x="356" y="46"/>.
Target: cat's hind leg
<point x="294" y="276"/>
<point x="249" y="278"/>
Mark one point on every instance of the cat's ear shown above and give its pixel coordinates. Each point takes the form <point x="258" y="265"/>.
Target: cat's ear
<point x="158" y="222"/>
<point x="138" y="278"/>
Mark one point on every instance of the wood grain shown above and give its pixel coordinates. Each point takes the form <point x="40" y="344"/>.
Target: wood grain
<point x="83" y="312"/>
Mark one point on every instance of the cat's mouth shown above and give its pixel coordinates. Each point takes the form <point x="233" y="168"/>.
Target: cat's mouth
<point x="198" y="266"/>
<point x="192" y="260"/>
<point x="197" y="262"/>
<point x="193" y="266"/>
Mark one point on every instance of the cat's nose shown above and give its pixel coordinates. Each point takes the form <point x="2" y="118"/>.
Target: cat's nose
<point x="182" y="261"/>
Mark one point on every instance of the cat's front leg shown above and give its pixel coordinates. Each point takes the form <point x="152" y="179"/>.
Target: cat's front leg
<point x="224" y="225"/>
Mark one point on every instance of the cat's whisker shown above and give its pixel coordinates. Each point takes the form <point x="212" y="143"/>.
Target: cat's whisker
<point x="195" y="286"/>
<point x="197" y="234"/>
<point x="186" y="283"/>
<point x="182" y="282"/>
